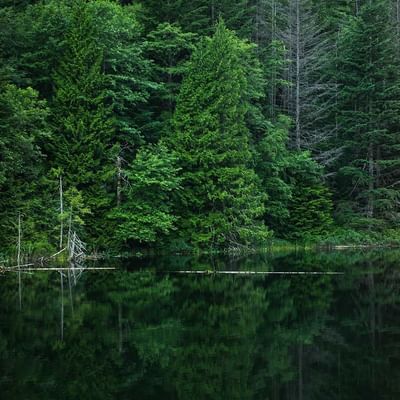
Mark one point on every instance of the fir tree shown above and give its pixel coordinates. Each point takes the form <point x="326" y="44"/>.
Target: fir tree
<point x="169" y="48"/>
<point x="145" y="215"/>
<point x="221" y="202"/>
<point x="24" y="127"/>
<point x="127" y="71"/>
<point x="81" y="119"/>
<point x="310" y="205"/>
<point x="299" y="204"/>
<point x="368" y="112"/>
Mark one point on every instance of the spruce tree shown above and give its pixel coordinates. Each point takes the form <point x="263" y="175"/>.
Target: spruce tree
<point x="127" y="71"/>
<point x="221" y="201"/>
<point x="82" y="123"/>
<point x="368" y="112"/>
<point x="24" y="127"/>
<point x="145" y="214"/>
<point x="299" y="204"/>
<point x="169" y="48"/>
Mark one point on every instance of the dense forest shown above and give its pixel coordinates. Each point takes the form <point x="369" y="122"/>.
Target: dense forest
<point x="199" y="124"/>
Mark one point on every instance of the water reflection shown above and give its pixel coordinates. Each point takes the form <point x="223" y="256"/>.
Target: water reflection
<point x="148" y="334"/>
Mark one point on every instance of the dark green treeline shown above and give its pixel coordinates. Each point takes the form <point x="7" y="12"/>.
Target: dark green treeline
<point x="199" y="124"/>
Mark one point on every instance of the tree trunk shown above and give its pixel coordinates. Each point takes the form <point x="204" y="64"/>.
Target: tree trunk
<point x="274" y="72"/>
<point x="370" y="206"/>
<point x="119" y="180"/>
<point x="298" y="127"/>
<point x="61" y="213"/>
<point x="398" y="17"/>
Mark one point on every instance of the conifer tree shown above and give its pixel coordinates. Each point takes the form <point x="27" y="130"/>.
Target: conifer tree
<point x="81" y="119"/>
<point x="169" y="48"/>
<point x="24" y="127"/>
<point x="221" y="202"/>
<point x="368" y="110"/>
<point x="127" y="71"/>
<point x="145" y="215"/>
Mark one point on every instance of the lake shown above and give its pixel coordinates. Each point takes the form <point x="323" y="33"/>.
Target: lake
<point x="145" y="331"/>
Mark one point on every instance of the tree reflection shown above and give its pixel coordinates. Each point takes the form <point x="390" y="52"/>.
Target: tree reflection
<point x="149" y="334"/>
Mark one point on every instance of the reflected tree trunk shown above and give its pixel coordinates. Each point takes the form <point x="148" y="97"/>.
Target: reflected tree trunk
<point x="120" y="338"/>
<point x="301" y="382"/>
<point x="70" y="291"/>
<point x="372" y="319"/>
<point x="19" y="261"/>
<point x="62" y="307"/>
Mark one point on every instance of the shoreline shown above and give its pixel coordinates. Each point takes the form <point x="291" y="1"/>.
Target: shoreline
<point x="11" y="262"/>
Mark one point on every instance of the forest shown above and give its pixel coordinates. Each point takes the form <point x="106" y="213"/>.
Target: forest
<point x="199" y="125"/>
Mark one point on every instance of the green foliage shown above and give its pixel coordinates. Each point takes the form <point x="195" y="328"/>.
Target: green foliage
<point x="299" y="205"/>
<point x="128" y="80"/>
<point x="82" y="121"/>
<point x="169" y="48"/>
<point x="273" y="159"/>
<point x="120" y="75"/>
<point x="23" y="125"/>
<point x="367" y="70"/>
<point x="32" y="41"/>
<point x="310" y="212"/>
<point x="145" y="215"/>
<point x="221" y="200"/>
<point x="310" y="207"/>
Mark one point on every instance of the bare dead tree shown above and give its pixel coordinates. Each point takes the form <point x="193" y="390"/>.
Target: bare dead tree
<point x="311" y="95"/>
<point x="395" y="15"/>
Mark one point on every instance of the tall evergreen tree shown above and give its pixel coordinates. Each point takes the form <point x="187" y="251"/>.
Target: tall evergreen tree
<point x="368" y="75"/>
<point x="81" y="119"/>
<point x="33" y="39"/>
<point x="169" y="48"/>
<point x="127" y="71"/>
<point x="299" y="204"/>
<point x="145" y="213"/>
<point x="221" y="202"/>
<point x="24" y="127"/>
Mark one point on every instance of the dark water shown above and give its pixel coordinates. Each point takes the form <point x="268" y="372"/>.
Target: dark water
<point x="141" y="332"/>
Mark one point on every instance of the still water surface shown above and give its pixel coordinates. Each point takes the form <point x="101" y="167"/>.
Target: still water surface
<point x="144" y="332"/>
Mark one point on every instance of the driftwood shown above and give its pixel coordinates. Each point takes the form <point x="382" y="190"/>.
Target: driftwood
<point x="69" y="268"/>
<point x="56" y="254"/>
<point x="32" y="268"/>
<point x="259" y="272"/>
<point x="76" y="255"/>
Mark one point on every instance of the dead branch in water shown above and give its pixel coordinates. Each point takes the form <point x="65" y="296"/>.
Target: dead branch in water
<point x="36" y="269"/>
<point x="258" y="272"/>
